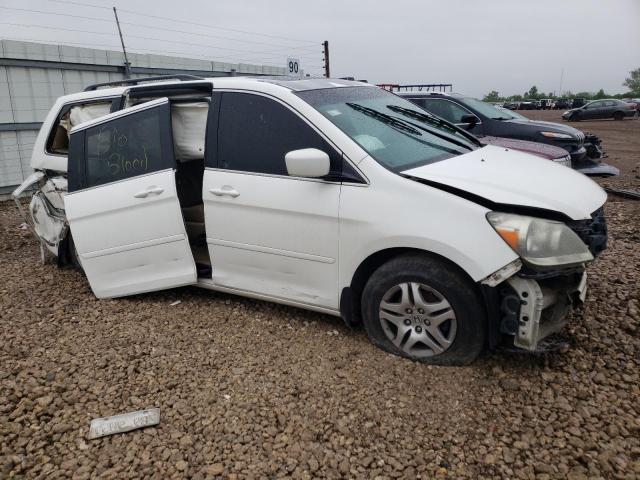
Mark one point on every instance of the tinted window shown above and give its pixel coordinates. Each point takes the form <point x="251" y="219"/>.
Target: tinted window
<point x="595" y="105"/>
<point x="255" y="133"/>
<point x="443" y="108"/>
<point x="136" y="144"/>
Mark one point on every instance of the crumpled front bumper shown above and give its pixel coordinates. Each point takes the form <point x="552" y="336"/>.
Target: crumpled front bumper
<point x="535" y="309"/>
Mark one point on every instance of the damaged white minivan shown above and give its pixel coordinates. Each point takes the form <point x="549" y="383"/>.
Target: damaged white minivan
<point x="328" y="195"/>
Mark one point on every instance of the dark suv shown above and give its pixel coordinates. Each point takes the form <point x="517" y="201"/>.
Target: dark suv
<point x="481" y="118"/>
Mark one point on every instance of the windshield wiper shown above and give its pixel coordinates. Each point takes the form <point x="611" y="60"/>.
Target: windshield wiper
<point x="383" y="117"/>
<point x="428" y="118"/>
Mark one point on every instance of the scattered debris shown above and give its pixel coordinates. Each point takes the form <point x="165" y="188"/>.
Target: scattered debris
<point x="177" y="302"/>
<point x="101" y="427"/>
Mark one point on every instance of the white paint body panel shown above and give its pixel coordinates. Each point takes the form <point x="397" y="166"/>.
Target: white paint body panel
<point x="278" y="237"/>
<point x="517" y="178"/>
<point x="397" y="212"/>
<point x="130" y="245"/>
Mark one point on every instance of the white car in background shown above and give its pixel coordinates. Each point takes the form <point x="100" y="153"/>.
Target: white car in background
<point x="329" y="195"/>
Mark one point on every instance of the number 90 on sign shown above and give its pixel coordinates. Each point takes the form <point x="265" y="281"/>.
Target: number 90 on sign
<point x="293" y="66"/>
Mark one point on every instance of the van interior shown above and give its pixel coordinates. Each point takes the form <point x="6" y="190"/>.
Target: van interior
<point x="188" y="121"/>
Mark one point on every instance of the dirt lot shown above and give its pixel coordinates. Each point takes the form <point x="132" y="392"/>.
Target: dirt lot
<point x="248" y="389"/>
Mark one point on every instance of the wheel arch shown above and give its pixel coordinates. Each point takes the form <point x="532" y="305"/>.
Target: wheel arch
<point x="350" y="296"/>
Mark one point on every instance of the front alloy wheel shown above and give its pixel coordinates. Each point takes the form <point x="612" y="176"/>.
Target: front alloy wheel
<point x="423" y="307"/>
<point x="417" y="319"/>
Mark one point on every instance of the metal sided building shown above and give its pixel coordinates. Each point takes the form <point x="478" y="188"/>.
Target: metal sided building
<point x="34" y="75"/>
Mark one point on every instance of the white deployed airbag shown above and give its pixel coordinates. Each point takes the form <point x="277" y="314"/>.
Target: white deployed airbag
<point x="189" y="122"/>
<point x="84" y="113"/>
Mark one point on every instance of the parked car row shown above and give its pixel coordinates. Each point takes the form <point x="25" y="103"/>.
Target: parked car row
<point x="543" y="104"/>
<point x="330" y="195"/>
<point x="483" y="119"/>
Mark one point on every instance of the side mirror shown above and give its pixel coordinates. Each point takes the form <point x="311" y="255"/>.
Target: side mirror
<point x="470" y="120"/>
<point x="307" y="162"/>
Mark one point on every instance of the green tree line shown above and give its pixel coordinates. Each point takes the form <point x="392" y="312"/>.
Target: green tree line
<point x="632" y="83"/>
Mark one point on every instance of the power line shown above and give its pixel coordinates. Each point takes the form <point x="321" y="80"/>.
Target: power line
<point x="84" y="17"/>
<point x="188" y="22"/>
<point x="186" y="54"/>
<point x="112" y="34"/>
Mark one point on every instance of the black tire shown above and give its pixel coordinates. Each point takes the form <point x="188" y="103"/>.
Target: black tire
<point x="618" y="116"/>
<point x="74" y="261"/>
<point x="446" y="280"/>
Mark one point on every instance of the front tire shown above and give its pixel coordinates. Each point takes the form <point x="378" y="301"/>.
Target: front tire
<point x="618" y="116"/>
<point x="422" y="308"/>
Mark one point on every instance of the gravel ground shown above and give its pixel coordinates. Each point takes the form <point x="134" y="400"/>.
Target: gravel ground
<point x="248" y="389"/>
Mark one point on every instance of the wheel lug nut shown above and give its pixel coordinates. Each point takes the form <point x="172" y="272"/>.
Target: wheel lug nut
<point x="418" y="329"/>
<point x="421" y="310"/>
<point x="409" y="311"/>
<point x="407" y="321"/>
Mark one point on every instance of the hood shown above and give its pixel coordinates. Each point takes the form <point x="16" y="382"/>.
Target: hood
<point x="544" y="150"/>
<point x="510" y="177"/>
<point x="547" y="126"/>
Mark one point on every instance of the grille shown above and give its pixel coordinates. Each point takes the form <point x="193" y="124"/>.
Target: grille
<point x="566" y="160"/>
<point x="593" y="231"/>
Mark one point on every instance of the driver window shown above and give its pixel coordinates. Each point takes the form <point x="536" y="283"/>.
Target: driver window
<point x="444" y="109"/>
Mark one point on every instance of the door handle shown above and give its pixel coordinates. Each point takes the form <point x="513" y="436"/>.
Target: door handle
<point x="148" y="191"/>
<point x="226" y="190"/>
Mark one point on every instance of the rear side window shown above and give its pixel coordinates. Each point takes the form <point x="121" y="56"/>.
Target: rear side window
<point x="70" y="116"/>
<point x="255" y="133"/>
<point x="135" y="144"/>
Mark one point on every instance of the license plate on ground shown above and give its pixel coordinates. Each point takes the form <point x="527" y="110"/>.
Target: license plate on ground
<point x="101" y="427"/>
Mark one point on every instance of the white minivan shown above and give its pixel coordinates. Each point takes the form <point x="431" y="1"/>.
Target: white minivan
<point x="329" y="195"/>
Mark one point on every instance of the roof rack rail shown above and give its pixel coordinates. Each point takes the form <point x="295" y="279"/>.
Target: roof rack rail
<point x="420" y="87"/>
<point x="136" y="81"/>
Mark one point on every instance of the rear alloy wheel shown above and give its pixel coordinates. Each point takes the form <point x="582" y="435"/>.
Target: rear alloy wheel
<point x="423" y="308"/>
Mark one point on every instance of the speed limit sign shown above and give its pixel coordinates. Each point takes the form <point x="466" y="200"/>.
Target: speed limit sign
<point x="293" y="66"/>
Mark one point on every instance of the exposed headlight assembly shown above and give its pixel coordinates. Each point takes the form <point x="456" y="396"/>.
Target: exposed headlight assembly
<point x="565" y="136"/>
<point x="540" y="242"/>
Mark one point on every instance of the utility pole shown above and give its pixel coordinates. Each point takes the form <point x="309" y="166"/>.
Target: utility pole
<point x="561" y="78"/>
<point x="127" y="65"/>
<point x="327" y="70"/>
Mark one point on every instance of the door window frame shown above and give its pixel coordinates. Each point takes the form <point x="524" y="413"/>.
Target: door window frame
<point x="77" y="169"/>
<point x="65" y="108"/>
<point x="355" y="176"/>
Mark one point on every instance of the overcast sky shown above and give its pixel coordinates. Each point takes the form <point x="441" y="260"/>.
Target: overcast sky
<point x="506" y="45"/>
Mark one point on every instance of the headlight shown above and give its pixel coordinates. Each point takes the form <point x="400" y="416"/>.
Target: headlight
<point x="540" y="242"/>
<point x="556" y="135"/>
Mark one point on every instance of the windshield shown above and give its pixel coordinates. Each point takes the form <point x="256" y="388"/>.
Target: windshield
<point x="487" y="109"/>
<point x="510" y="114"/>
<point x="392" y="130"/>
